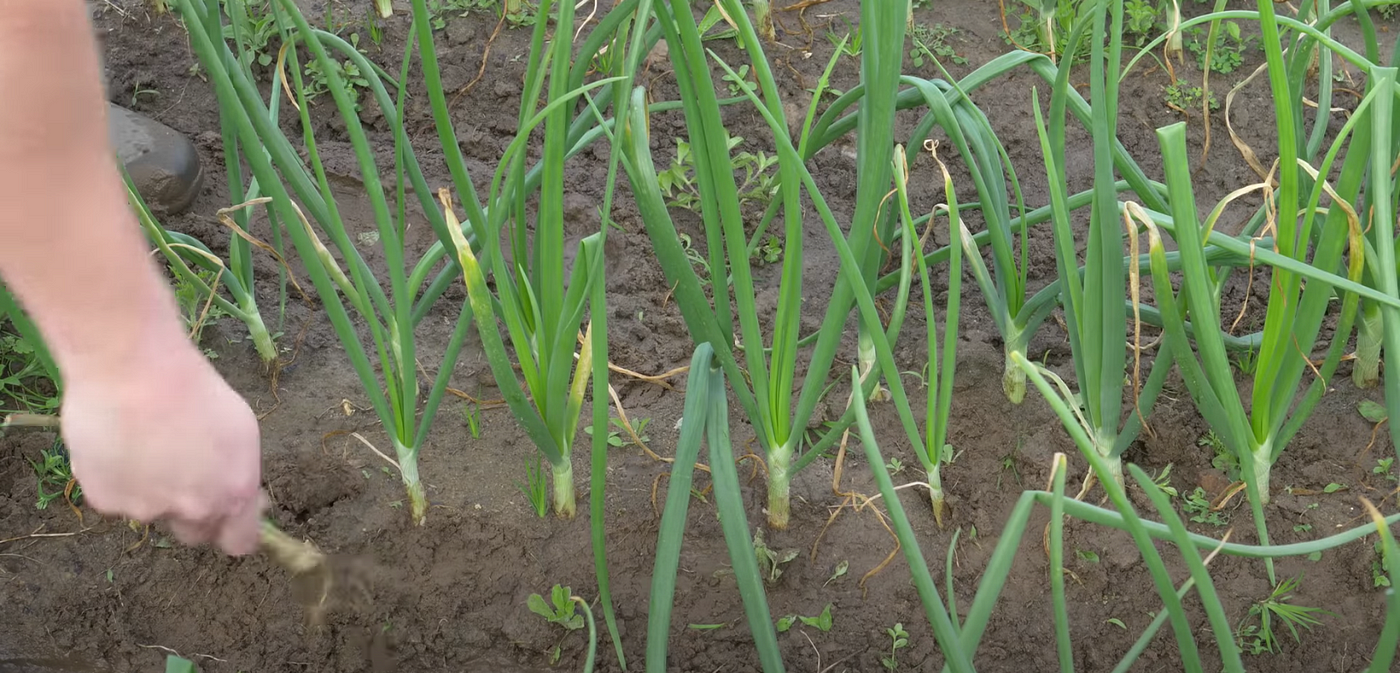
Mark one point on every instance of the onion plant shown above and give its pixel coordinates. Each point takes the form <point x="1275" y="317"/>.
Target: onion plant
<point x="301" y="196"/>
<point x="934" y="451"/>
<point x="1259" y="430"/>
<point x="1095" y="312"/>
<point x="771" y="363"/>
<point x="542" y="312"/>
<point x="180" y="250"/>
<point x="959" y="631"/>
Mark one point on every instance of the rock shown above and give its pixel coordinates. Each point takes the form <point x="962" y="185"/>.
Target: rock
<point x="163" y="163"/>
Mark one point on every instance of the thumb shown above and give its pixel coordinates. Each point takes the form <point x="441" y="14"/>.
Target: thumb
<point x="241" y="532"/>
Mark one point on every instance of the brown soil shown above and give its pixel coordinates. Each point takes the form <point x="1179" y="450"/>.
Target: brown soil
<point x="451" y="596"/>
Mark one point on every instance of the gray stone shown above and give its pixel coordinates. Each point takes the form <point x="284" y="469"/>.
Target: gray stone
<point x="163" y="164"/>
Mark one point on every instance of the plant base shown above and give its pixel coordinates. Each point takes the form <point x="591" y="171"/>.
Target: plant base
<point x="565" y="506"/>
<point x="940" y="507"/>
<point x="1013" y="381"/>
<point x="1366" y="370"/>
<point x="779" y="490"/>
<point x="413" y="486"/>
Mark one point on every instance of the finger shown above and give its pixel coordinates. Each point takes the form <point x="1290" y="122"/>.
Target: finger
<point x="240" y="533"/>
<point x="193" y="533"/>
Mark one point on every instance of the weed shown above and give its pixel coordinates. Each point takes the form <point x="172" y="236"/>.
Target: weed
<point x="319" y="82"/>
<point x="851" y="44"/>
<point x="1163" y="481"/>
<point x="1141" y="20"/>
<point x="1184" y="97"/>
<point x="1008" y="464"/>
<point x="821" y="622"/>
<point x="841" y="569"/>
<point x="472" y="414"/>
<point x="697" y="260"/>
<point x="771" y="562"/>
<point x="760" y="181"/>
<point x="894" y="466"/>
<point x="619" y="438"/>
<point x="931" y="42"/>
<point x="1223" y="459"/>
<point x="257" y="30"/>
<point x="1259" y="637"/>
<point x="770" y="252"/>
<point x="738" y="83"/>
<point x="24" y="382"/>
<point x="899" y="639"/>
<point x="192" y="302"/>
<point x="53" y="471"/>
<point x="559" y="610"/>
<point x="438" y="10"/>
<point x="1230" y="45"/>
<point x="1086" y="555"/>
<point x="1197" y="504"/>
<point x="1383" y="468"/>
<point x="535" y="488"/>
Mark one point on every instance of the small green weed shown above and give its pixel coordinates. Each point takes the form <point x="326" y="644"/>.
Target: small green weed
<point x="821" y="622"/>
<point x="535" y="487"/>
<point x="1223" y="459"/>
<point x="440" y="10"/>
<point x="1230" y="45"/>
<point x="55" y="475"/>
<point x="619" y="437"/>
<point x="771" y="562"/>
<point x="899" y="639"/>
<point x="472" y="414"/>
<point x="258" y="31"/>
<point x="319" y="82"/>
<point x="1383" y="468"/>
<point x="931" y="43"/>
<point x="559" y="610"/>
<point x="697" y="260"/>
<point x="1259" y="637"/>
<point x="739" y="82"/>
<point x="851" y="44"/>
<point x="760" y="181"/>
<point x="177" y="664"/>
<point x="1197" y="505"/>
<point x="1183" y="96"/>
<point x="24" y="382"/>
<point x="895" y="466"/>
<point x="1163" y="481"/>
<point x="841" y="569"/>
<point x="770" y="252"/>
<point x="1140" y="20"/>
<point x="196" y="308"/>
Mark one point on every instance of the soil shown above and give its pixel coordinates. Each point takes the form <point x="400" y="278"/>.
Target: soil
<point x="451" y="596"/>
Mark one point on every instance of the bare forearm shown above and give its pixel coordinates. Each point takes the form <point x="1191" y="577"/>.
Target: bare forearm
<point x="69" y="247"/>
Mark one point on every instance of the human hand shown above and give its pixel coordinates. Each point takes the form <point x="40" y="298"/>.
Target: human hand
<point x="163" y="437"/>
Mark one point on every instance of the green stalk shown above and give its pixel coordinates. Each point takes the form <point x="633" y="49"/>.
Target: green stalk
<point x="940" y="379"/>
<point x="956" y="655"/>
<point x="1063" y="644"/>
<point x="699" y="381"/>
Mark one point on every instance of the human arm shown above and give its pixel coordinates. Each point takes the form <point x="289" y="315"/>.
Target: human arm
<point x="153" y="430"/>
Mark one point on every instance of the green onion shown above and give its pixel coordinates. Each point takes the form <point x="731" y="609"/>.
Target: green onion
<point x="542" y="313"/>
<point x="301" y="195"/>
<point x="1094" y="307"/>
<point x="181" y="249"/>
<point x="934" y="450"/>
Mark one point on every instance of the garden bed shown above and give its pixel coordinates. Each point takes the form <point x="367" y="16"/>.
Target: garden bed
<point x="451" y="596"/>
